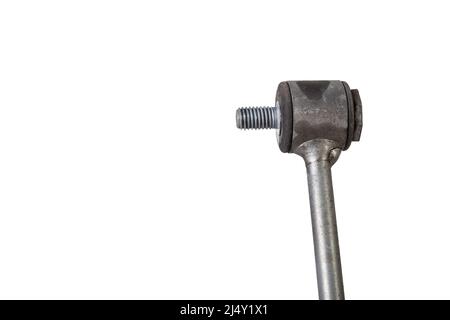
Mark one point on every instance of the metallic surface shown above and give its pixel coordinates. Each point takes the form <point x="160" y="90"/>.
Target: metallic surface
<point x="320" y="110"/>
<point x="319" y="156"/>
<point x="257" y="118"/>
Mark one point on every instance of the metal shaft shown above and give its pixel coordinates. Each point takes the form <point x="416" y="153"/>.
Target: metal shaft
<point x="319" y="156"/>
<point x="326" y="244"/>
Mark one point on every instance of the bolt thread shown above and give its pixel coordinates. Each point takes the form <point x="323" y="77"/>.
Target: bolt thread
<point x="257" y="118"/>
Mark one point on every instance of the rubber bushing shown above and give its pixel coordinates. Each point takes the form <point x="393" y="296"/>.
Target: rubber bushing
<point x="284" y="101"/>
<point x="351" y="115"/>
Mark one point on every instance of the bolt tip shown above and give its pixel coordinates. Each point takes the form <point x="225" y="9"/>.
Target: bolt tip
<point x="238" y="118"/>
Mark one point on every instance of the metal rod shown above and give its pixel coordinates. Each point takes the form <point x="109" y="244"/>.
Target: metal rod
<point x="326" y="244"/>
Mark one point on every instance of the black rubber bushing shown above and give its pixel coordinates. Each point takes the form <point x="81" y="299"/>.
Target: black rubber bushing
<point x="284" y="101"/>
<point x="351" y="115"/>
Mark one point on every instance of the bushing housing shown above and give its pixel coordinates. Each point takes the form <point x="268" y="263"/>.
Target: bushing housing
<point x="317" y="109"/>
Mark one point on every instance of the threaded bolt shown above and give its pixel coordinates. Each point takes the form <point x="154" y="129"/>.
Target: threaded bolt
<point x="257" y="118"/>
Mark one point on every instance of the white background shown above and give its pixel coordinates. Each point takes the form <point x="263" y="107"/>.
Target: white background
<point x="122" y="174"/>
